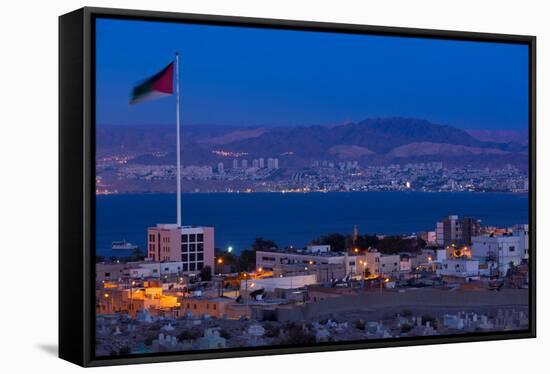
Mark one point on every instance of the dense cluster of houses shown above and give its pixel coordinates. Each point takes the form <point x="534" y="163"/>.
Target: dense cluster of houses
<point x="297" y="285"/>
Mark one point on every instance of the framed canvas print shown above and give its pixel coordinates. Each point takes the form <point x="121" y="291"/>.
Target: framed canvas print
<point x="238" y="186"/>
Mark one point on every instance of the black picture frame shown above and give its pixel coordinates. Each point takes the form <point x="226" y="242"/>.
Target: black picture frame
<point x="77" y="182"/>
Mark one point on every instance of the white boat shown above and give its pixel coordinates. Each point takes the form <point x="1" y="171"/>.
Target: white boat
<point x="123" y="246"/>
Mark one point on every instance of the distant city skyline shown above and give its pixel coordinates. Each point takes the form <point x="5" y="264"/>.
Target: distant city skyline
<point x="261" y="77"/>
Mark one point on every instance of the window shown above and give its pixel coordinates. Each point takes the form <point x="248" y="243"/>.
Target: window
<point x="184" y="247"/>
<point x="192" y="266"/>
<point x="185" y="257"/>
<point x="192" y="237"/>
<point x="192" y="257"/>
<point x="184" y="238"/>
<point x="151" y="238"/>
<point x="200" y="237"/>
<point x="200" y="256"/>
<point x="107" y="274"/>
<point x="214" y="306"/>
<point x="199" y="265"/>
<point x="200" y="247"/>
<point x="192" y="247"/>
<point x="512" y="248"/>
<point x="185" y="267"/>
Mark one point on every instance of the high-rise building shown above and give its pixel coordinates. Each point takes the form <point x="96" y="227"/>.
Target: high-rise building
<point x="458" y="231"/>
<point x="192" y="245"/>
<point x="261" y="164"/>
<point x="255" y="163"/>
<point x="272" y="163"/>
<point x="235" y="164"/>
<point x="244" y="164"/>
<point x="220" y="168"/>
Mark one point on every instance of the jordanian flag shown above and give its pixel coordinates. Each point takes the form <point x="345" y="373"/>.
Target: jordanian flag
<point x="159" y="85"/>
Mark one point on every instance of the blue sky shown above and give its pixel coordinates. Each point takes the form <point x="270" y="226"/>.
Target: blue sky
<point x="263" y="77"/>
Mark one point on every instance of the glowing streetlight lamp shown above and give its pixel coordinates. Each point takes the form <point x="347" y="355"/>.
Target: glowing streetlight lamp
<point x="230" y="249"/>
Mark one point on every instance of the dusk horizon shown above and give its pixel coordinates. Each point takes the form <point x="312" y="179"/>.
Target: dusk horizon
<point x="294" y="82"/>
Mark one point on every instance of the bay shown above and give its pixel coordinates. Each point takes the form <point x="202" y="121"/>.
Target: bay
<point x="297" y="218"/>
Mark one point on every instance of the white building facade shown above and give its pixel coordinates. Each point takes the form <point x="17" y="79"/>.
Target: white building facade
<point x="499" y="252"/>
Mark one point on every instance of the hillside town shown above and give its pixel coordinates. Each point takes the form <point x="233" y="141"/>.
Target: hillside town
<point x="186" y="294"/>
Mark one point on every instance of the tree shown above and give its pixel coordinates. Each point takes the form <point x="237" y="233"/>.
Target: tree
<point x="366" y="241"/>
<point x="190" y="334"/>
<point x="261" y="244"/>
<point x="397" y="244"/>
<point x="246" y="260"/>
<point x="296" y="334"/>
<point x="271" y="331"/>
<point x="432" y="320"/>
<point x="224" y="334"/>
<point x="336" y="241"/>
<point x="206" y="274"/>
<point x="405" y="328"/>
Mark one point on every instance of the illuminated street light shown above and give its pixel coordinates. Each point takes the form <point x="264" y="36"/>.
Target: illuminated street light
<point x="230" y="249"/>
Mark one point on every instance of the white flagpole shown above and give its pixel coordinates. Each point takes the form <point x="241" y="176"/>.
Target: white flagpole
<point x="178" y="170"/>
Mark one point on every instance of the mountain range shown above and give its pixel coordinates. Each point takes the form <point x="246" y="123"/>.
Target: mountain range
<point x="375" y="141"/>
